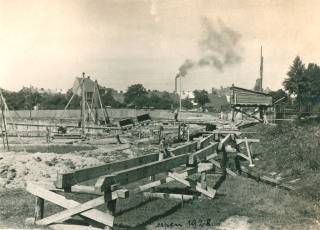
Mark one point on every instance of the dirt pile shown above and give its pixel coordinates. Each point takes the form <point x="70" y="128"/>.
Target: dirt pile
<point x="16" y="168"/>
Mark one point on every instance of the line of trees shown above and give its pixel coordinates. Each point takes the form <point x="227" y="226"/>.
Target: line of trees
<point x="303" y="83"/>
<point x="135" y="97"/>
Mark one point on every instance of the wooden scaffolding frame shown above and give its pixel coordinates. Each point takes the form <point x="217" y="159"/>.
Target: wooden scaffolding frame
<point x="194" y="157"/>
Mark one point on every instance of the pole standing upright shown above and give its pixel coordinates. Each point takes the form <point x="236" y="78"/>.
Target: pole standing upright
<point x="180" y="100"/>
<point x="261" y="70"/>
<point x="83" y="108"/>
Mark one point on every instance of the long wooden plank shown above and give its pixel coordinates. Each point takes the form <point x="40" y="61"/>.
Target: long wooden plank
<point x="249" y="153"/>
<point x="187" y="148"/>
<point x="205" y="141"/>
<point x="137" y="173"/>
<point x="169" y="195"/>
<point x="219" y="166"/>
<point x="239" y="141"/>
<point x="243" y="156"/>
<point x="92" y="214"/>
<point x="185" y="174"/>
<point x="189" y="171"/>
<point x="68" y="179"/>
<point x="121" y="193"/>
<point x="72" y="227"/>
<point x="72" y="211"/>
<point x="203" y="153"/>
<point x="210" y="193"/>
<point x="224" y="141"/>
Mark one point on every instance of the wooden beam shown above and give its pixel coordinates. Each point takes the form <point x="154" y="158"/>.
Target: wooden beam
<point x="39" y="206"/>
<point x="207" y="151"/>
<point x="137" y="173"/>
<point x="243" y="156"/>
<point x="224" y="141"/>
<point x="239" y="141"/>
<point x="197" y="186"/>
<point x="219" y="166"/>
<point x="211" y="156"/>
<point x="203" y="153"/>
<point x="72" y="227"/>
<point x="187" y="148"/>
<point x="185" y="174"/>
<point x="77" y="189"/>
<point x="249" y="115"/>
<point x="205" y="141"/>
<point x="68" y="179"/>
<point x="169" y="195"/>
<point x="72" y="211"/>
<point x="93" y="214"/>
<point x="249" y="153"/>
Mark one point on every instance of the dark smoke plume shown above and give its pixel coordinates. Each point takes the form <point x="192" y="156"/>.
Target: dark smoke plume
<point x="219" y="47"/>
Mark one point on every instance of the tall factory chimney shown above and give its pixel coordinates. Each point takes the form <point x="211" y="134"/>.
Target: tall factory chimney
<point x="175" y="83"/>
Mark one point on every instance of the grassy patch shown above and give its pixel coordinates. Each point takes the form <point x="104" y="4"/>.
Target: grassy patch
<point x="264" y="206"/>
<point x="290" y="148"/>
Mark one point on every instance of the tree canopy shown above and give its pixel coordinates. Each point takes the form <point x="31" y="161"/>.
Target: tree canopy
<point x="304" y="83"/>
<point x="201" y="97"/>
<point x="279" y="94"/>
<point x="136" y="95"/>
<point x="295" y="84"/>
<point x="187" y="103"/>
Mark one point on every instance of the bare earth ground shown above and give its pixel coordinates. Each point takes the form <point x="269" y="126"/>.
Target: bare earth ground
<point x="240" y="203"/>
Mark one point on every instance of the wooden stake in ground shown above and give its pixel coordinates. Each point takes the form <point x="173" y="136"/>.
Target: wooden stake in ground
<point x="39" y="209"/>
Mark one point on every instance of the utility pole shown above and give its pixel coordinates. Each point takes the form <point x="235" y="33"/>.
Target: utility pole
<point x="180" y="100"/>
<point x="261" y="70"/>
<point x="83" y="108"/>
<point x="96" y="93"/>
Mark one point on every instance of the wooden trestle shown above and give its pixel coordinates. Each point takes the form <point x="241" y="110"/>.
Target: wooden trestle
<point x="194" y="157"/>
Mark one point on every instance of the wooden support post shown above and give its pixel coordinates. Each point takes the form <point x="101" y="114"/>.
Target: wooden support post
<point x="152" y="179"/>
<point x="111" y="205"/>
<point x="39" y="208"/>
<point x="250" y="148"/>
<point x="204" y="180"/>
<point x="179" y="133"/>
<point x="216" y="137"/>
<point x="249" y="153"/>
<point x="208" y="191"/>
<point x="188" y="136"/>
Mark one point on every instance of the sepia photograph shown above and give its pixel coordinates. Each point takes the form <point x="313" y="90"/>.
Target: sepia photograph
<point x="160" y="114"/>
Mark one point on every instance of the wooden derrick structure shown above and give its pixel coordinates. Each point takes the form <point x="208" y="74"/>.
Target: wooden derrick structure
<point x="197" y="157"/>
<point x="244" y="98"/>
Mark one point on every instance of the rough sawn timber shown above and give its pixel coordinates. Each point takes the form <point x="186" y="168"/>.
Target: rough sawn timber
<point x="68" y="179"/>
<point x="97" y="216"/>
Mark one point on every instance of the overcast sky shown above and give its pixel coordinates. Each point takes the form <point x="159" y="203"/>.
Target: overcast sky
<point x="47" y="44"/>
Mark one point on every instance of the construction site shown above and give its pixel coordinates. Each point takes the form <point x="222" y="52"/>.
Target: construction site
<point x="95" y="168"/>
<point x="158" y="115"/>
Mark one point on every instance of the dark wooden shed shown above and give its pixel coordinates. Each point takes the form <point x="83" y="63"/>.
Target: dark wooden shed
<point x="249" y="98"/>
<point x="242" y="98"/>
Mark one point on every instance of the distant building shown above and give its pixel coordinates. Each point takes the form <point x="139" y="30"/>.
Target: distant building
<point x="33" y="89"/>
<point x="89" y="87"/>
